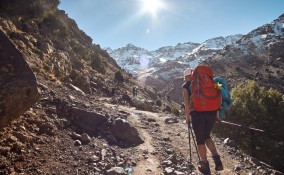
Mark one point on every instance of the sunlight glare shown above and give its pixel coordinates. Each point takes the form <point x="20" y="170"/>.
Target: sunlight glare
<point x="152" y="6"/>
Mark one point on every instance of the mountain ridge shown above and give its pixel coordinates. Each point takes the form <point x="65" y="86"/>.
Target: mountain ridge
<point x="255" y="44"/>
<point x="181" y="51"/>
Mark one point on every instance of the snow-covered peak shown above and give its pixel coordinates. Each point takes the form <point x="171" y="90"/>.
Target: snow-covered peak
<point x="260" y="38"/>
<point x="136" y="59"/>
<point x="220" y="42"/>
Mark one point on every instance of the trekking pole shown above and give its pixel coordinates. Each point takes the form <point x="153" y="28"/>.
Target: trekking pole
<point x="195" y="144"/>
<point x="190" y="157"/>
<point x="239" y="125"/>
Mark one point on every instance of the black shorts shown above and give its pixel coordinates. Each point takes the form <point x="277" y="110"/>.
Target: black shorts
<point x="202" y="124"/>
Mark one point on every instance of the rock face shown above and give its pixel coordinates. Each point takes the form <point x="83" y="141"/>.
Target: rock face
<point x="89" y="121"/>
<point x="18" y="86"/>
<point x="123" y="131"/>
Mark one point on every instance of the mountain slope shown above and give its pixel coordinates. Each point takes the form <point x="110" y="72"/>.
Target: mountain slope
<point x="158" y="68"/>
<point x="53" y="44"/>
<point x="84" y="122"/>
<point x="135" y="59"/>
<point x="257" y="55"/>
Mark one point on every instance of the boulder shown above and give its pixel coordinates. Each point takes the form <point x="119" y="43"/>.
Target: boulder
<point x="81" y="81"/>
<point x="170" y="120"/>
<point x="89" y="121"/>
<point x="116" y="171"/>
<point x="123" y="131"/>
<point x="18" y="85"/>
<point x="142" y="104"/>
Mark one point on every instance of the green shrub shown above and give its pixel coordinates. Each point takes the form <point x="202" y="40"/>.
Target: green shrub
<point x="97" y="63"/>
<point x="126" y="79"/>
<point x="261" y="108"/>
<point x="119" y="77"/>
<point x="28" y="9"/>
<point x="56" y="25"/>
<point x="167" y="109"/>
<point x="175" y="112"/>
<point x="159" y="102"/>
<point x="83" y="52"/>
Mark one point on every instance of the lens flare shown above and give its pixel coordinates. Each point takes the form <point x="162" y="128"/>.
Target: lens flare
<point x="144" y="61"/>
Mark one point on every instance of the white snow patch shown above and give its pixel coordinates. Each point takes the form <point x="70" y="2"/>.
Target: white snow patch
<point x="163" y="60"/>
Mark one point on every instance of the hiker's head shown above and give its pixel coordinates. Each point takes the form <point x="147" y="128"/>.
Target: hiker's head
<point x="187" y="73"/>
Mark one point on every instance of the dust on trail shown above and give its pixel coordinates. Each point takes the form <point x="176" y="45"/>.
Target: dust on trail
<point x="151" y="164"/>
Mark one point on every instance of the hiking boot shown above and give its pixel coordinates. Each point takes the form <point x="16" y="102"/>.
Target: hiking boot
<point x="204" y="168"/>
<point x="218" y="163"/>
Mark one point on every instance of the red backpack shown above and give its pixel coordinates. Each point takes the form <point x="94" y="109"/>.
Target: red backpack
<point x="204" y="95"/>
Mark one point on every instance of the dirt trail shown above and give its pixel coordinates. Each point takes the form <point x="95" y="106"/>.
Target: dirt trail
<point x="149" y="163"/>
<point x="178" y="133"/>
<point x="154" y="133"/>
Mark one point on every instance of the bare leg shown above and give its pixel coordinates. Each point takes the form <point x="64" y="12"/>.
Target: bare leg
<point x="202" y="152"/>
<point x="203" y="165"/>
<point x="211" y="146"/>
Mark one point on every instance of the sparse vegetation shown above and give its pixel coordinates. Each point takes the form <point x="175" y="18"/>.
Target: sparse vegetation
<point x="56" y="25"/>
<point x="119" y="77"/>
<point x="29" y="9"/>
<point x="97" y="63"/>
<point x="159" y="102"/>
<point x="175" y="112"/>
<point x="167" y="109"/>
<point x="261" y="108"/>
<point x="82" y="52"/>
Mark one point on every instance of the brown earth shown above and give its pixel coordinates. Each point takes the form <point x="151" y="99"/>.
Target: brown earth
<point x="45" y="141"/>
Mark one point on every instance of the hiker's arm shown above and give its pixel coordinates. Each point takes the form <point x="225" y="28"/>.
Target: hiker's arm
<point x="186" y="104"/>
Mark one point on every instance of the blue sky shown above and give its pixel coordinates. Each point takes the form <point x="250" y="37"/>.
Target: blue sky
<point x="152" y="24"/>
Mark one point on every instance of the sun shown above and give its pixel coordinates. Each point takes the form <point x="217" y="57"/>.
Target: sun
<point x="152" y="6"/>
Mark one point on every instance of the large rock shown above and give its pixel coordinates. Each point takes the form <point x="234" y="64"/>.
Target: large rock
<point x="18" y="86"/>
<point x="123" y="131"/>
<point x="116" y="171"/>
<point x="143" y="104"/>
<point x="88" y="121"/>
<point x="81" y="81"/>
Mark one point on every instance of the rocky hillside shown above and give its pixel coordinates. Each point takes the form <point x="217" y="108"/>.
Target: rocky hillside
<point x="257" y="55"/>
<point x="53" y="45"/>
<point x="66" y="107"/>
<point x="53" y="79"/>
<point x="38" y="40"/>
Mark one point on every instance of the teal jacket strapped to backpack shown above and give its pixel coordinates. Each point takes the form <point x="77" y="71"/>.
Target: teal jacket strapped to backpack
<point x="226" y="97"/>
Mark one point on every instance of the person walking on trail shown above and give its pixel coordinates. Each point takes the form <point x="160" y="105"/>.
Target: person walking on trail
<point x="134" y="91"/>
<point x="202" y="124"/>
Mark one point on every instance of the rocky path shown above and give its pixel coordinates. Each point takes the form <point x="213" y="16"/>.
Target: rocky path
<point x="166" y="148"/>
<point x="46" y="141"/>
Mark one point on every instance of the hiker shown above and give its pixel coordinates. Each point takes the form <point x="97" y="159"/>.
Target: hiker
<point x="125" y="97"/>
<point x="202" y="124"/>
<point x="168" y="98"/>
<point x="113" y="91"/>
<point x="134" y="91"/>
